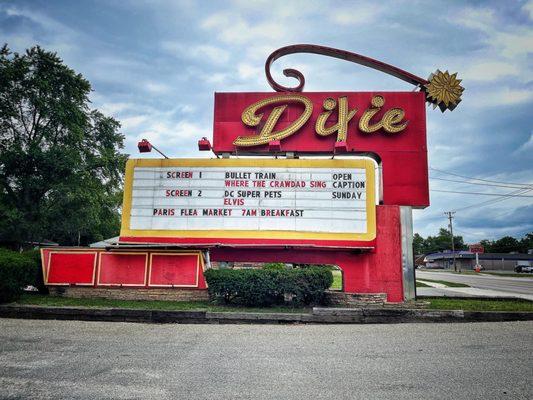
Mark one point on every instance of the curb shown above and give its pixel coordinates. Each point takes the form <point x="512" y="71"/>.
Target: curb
<point x="472" y="297"/>
<point x="319" y="315"/>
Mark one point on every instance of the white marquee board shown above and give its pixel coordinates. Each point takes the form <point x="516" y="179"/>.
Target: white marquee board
<point x="250" y="195"/>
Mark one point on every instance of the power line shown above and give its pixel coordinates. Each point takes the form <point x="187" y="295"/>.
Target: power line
<point x="492" y="201"/>
<point x="522" y="188"/>
<point x="483" y="235"/>
<point x="480" y="179"/>
<point x="482" y="194"/>
<point x="476" y="183"/>
<point x="505" y="196"/>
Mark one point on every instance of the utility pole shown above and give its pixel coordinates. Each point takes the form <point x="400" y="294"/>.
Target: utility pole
<point x="450" y="215"/>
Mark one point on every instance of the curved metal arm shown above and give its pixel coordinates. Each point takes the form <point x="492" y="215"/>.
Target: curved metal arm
<point x="331" y="52"/>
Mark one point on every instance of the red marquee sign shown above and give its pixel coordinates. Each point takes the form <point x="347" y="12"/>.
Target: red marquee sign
<point x="476" y="248"/>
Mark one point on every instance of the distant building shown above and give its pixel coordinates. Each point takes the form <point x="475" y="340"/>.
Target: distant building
<point x="466" y="261"/>
<point x="420" y="260"/>
<point x="105" y="243"/>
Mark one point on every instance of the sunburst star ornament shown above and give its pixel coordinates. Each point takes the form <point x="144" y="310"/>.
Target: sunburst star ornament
<point x="443" y="90"/>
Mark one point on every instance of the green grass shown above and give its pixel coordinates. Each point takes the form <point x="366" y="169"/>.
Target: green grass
<point x="436" y="303"/>
<point x="446" y="303"/>
<point x="51" y="301"/>
<point x="446" y="283"/>
<point x="511" y="274"/>
<point x="469" y="272"/>
<point x="465" y="272"/>
<point x="451" y="271"/>
<point x="337" y="280"/>
<point x="421" y="284"/>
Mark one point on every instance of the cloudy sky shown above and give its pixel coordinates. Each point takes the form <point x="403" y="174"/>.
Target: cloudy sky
<point x="155" y="64"/>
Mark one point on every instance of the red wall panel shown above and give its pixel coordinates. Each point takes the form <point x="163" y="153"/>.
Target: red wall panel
<point x="178" y="269"/>
<point x="71" y="268"/>
<point x="175" y="269"/>
<point x="125" y="269"/>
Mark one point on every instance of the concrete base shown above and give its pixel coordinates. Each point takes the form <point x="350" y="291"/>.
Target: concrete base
<point x="317" y="316"/>
<point x="121" y="293"/>
<point x="355" y="299"/>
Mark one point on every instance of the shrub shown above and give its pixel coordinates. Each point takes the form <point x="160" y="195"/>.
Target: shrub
<point x="16" y="272"/>
<point x="328" y="266"/>
<point x="37" y="274"/>
<point x="264" y="287"/>
<point x="274" y="266"/>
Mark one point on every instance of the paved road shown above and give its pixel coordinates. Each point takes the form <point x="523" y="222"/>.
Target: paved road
<point x="82" y="360"/>
<point x="500" y="283"/>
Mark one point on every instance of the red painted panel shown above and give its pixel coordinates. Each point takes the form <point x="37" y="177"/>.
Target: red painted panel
<point x="209" y="242"/>
<point x="403" y="154"/>
<point x="174" y="270"/>
<point x="380" y="271"/>
<point x="123" y="269"/>
<point x="71" y="268"/>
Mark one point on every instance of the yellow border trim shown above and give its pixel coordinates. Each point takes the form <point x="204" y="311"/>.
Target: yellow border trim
<point x="43" y="267"/>
<point x="95" y="253"/>
<point x="145" y="254"/>
<point x="367" y="164"/>
<point x="198" y="256"/>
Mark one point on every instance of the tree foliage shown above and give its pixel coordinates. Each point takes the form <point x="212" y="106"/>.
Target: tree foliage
<point x="509" y="244"/>
<point x="418" y="244"/>
<point x="442" y="241"/>
<point x="434" y="244"/>
<point x="17" y="270"/>
<point x="60" y="166"/>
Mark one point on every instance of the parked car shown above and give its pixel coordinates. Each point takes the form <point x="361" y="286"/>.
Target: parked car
<point x="523" y="268"/>
<point x="432" y="265"/>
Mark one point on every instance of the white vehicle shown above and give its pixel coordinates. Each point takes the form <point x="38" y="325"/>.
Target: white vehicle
<point x="523" y="266"/>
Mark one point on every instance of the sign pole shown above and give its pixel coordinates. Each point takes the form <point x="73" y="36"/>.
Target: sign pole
<point x="450" y="217"/>
<point x="476" y="249"/>
<point x="409" y="280"/>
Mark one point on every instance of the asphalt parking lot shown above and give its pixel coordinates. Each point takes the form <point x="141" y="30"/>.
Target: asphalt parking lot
<point x="93" y="360"/>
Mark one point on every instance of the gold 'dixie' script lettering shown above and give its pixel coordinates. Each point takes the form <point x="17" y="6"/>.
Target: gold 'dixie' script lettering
<point x="267" y="134"/>
<point x="344" y="116"/>
<point x="388" y="122"/>
<point x="391" y="122"/>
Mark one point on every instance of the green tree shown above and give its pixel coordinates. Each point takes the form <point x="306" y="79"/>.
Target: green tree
<point x="418" y="244"/>
<point x="487" y="245"/>
<point x="526" y="243"/>
<point x="505" y="244"/>
<point x="60" y="165"/>
<point x="441" y="242"/>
